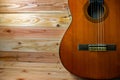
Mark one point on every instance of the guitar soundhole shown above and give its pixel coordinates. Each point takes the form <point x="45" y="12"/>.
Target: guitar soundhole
<point x="96" y="12"/>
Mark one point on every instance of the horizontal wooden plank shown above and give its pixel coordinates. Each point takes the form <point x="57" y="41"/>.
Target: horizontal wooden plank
<point x="44" y="57"/>
<point x="29" y="45"/>
<point x="32" y="5"/>
<point x="50" y="20"/>
<point x="33" y="66"/>
<point x="34" y="71"/>
<point x="13" y="33"/>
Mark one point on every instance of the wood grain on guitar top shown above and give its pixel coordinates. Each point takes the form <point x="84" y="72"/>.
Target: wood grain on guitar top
<point x="92" y="64"/>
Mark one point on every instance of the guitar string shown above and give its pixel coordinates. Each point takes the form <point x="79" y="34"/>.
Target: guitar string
<point x="94" y="15"/>
<point x="101" y="15"/>
<point x="102" y="18"/>
<point x="98" y="25"/>
<point x="98" y="15"/>
<point x="101" y="28"/>
<point x="97" y="29"/>
<point x="104" y="23"/>
<point x="100" y="22"/>
<point x="100" y="6"/>
<point x="93" y="8"/>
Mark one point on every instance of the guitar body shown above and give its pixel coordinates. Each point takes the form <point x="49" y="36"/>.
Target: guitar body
<point x="90" y="47"/>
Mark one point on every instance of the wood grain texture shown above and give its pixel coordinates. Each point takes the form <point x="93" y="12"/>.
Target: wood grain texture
<point x="30" y="34"/>
<point x="32" y="5"/>
<point x="29" y="45"/>
<point x="13" y="32"/>
<point x="36" y="20"/>
<point x="43" y="57"/>
<point x="33" y="71"/>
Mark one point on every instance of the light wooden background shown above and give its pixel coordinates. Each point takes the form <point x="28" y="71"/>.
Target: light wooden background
<point x="30" y="35"/>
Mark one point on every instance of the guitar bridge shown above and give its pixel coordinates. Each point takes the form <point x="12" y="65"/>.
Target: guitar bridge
<point x="96" y="47"/>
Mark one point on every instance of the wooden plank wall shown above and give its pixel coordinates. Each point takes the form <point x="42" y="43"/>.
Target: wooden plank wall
<point x="32" y="29"/>
<point x="30" y="34"/>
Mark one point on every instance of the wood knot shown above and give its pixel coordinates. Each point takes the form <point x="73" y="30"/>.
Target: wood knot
<point x="58" y="25"/>
<point x="20" y="79"/>
<point x="64" y="79"/>
<point x="57" y="44"/>
<point x="44" y="30"/>
<point x="24" y="70"/>
<point x="8" y="31"/>
<point x="53" y="54"/>
<point x="19" y="43"/>
<point x="1" y="71"/>
<point x="67" y="16"/>
<point x="60" y="68"/>
<point x="49" y="73"/>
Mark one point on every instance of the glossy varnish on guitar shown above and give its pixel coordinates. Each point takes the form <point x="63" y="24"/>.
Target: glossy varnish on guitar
<point x="100" y="58"/>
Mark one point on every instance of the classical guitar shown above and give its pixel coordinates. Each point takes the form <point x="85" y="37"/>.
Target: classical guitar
<point x="90" y="47"/>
